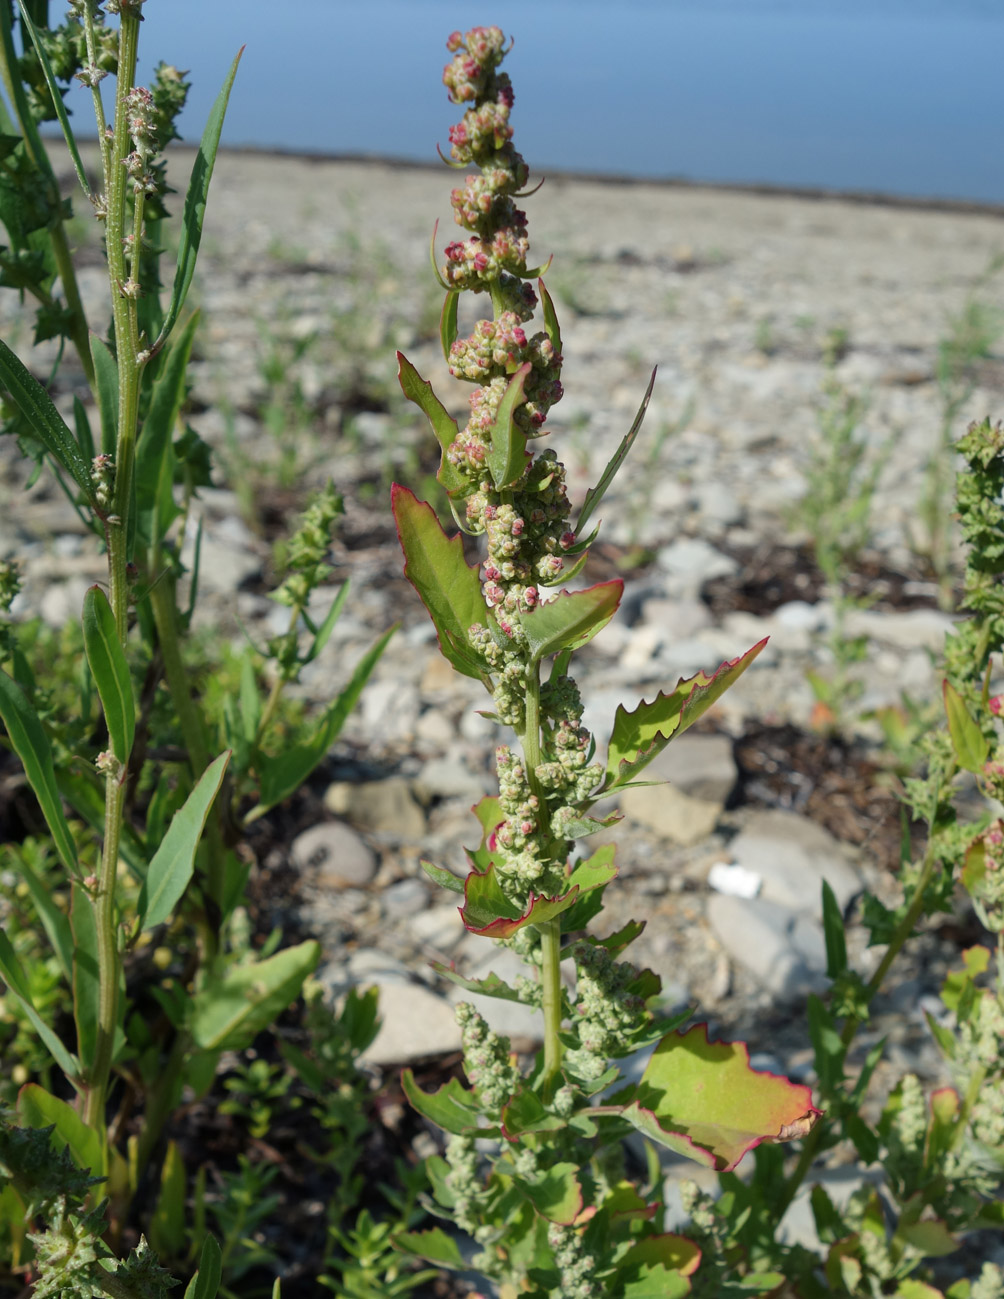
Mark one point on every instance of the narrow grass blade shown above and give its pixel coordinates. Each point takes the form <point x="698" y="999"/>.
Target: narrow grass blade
<point x="206" y="1282"/>
<point x="57" y="99"/>
<point x="13" y="975"/>
<point x="82" y="425"/>
<point x="47" y="424"/>
<point x="195" y="205"/>
<point x="86" y="982"/>
<point x="106" y="378"/>
<point x="54" y="921"/>
<point x="833" y="931"/>
<point x="174" y="860"/>
<point x="110" y="671"/>
<point x="31" y="745"/>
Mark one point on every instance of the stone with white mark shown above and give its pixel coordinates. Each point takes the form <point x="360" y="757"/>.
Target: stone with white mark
<point x="783" y="949"/>
<point x="793" y="856"/>
<point x="334" y="856"/>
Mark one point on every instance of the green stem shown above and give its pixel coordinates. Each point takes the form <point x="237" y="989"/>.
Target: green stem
<point x="550" y="933"/>
<point x="903" y="931"/>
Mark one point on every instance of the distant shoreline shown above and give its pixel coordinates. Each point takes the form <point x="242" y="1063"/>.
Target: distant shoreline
<point x="819" y="194"/>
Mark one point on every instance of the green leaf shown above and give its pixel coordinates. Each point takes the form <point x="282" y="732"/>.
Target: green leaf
<point x="323" y="633"/>
<point x="506" y="457"/>
<point x="31" y="745"/>
<point x="703" y="1100"/>
<point x="419" y="390"/>
<point x="106" y="380"/>
<point x="555" y="1193"/>
<point x="490" y="986"/>
<point x="86" y="980"/>
<point x="551" y="326"/>
<point x="969" y="744"/>
<point x="167" y="1226"/>
<point x="249" y="698"/>
<point x="82" y="428"/>
<point x="39" y="1109"/>
<point x="489" y="912"/>
<point x="229" y="1011"/>
<point x="829" y="1049"/>
<point x="195" y="204"/>
<point x="14" y="977"/>
<point x="525" y="1112"/>
<point x="451" y="1107"/>
<point x="110" y="671"/>
<point x="833" y="931"/>
<point x="206" y="1282"/>
<point x="596" y="494"/>
<point x="434" y="1245"/>
<point x="449" y="588"/>
<point x="640" y="735"/>
<point x="46" y="423"/>
<point x="444" y="878"/>
<point x="174" y="860"/>
<point x="54" y="922"/>
<point x="284" y="773"/>
<point x="571" y="619"/>
<point x="57" y="99"/>
<point x="448" y="322"/>
<point x="154" y="449"/>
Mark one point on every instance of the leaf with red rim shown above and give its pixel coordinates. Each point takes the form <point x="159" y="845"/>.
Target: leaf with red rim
<point x="488" y="911"/>
<point x="448" y="586"/>
<point x="638" y="736"/>
<point x="571" y="619"/>
<point x="703" y="1100"/>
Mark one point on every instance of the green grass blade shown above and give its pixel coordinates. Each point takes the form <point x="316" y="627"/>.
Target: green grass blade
<point x="31" y="745"/>
<point x="106" y="379"/>
<point x="86" y="980"/>
<point x="54" y="921"/>
<point x="110" y="671"/>
<point x="174" y="860"/>
<point x="47" y="424"/>
<point x="206" y="1282"/>
<point x="195" y="204"/>
<point x="57" y="99"/>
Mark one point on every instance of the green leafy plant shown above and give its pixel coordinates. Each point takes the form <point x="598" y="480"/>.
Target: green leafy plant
<point x="127" y="963"/>
<point x="535" y="1169"/>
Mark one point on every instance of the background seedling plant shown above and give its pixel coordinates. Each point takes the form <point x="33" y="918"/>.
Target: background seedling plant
<point x="135" y="901"/>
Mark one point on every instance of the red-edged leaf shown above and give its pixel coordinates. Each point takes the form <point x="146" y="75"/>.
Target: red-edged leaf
<point x="703" y="1100"/>
<point x="507" y="454"/>
<point x="488" y="911"/>
<point x="674" y="1252"/>
<point x="448" y="586"/>
<point x="419" y="390"/>
<point x="638" y="736"/>
<point x="451" y="1107"/>
<point x="571" y="619"/>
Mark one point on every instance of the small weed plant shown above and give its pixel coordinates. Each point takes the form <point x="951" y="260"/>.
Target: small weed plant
<point x="537" y="1172"/>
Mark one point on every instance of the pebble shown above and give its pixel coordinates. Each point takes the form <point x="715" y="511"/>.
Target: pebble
<point x="334" y="855"/>
<point x="404" y="898"/>
<point x="414" y="1024"/>
<point x="792" y="855"/>
<point x="782" y="948"/>
<point x="385" y="806"/>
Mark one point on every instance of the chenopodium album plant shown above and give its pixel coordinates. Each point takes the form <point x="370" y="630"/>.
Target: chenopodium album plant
<point x="137" y="893"/>
<point x="557" y="1214"/>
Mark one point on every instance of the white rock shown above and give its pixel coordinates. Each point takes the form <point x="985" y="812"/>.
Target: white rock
<point x="736" y="881"/>
<point x="414" y="1023"/>
<point x="333" y="855"/>
<point x="793" y="856"/>
<point x="784" y="949"/>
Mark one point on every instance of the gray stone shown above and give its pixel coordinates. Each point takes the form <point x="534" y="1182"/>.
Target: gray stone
<point x="782" y="948"/>
<point x="386" y="806"/>
<point x="510" y="1018"/>
<point x="439" y="929"/>
<point x="689" y="562"/>
<point x="793" y="856"/>
<point x="676" y="618"/>
<point x="371" y="965"/>
<point x="670" y="814"/>
<point x="388" y="709"/>
<point x="414" y="1023"/>
<point x="334" y="856"/>
<point x="450" y="777"/>
<point x="701" y="773"/>
<point x="404" y="898"/>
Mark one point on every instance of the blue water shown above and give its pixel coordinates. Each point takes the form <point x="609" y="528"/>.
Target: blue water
<point x="893" y="96"/>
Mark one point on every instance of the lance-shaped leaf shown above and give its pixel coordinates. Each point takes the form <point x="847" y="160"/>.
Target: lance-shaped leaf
<point x="230" y="1011"/>
<point x="206" y="1282"/>
<point x="571" y="619"/>
<point x="489" y="912"/>
<point x="110" y="671"/>
<point x="86" y="976"/>
<point x="490" y="986"/>
<point x="451" y="1107"/>
<point x="13" y="975"/>
<point x="54" y="921"/>
<point x="638" y="736"/>
<point x="448" y="322"/>
<point x="969" y="744"/>
<point x="596" y="494"/>
<point x="507" y="451"/>
<point x="106" y="379"/>
<point x="46" y="423"/>
<point x="174" y="860"/>
<point x="551" y="326"/>
<point x="57" y="98"/>
<point x="419" y="390"/>
<point x="448" y="586"/>
<point x="703" y="1100"/>
<point x="194" y="212"/>
<point x="31" y="745"/>
<point x="444" y="878"/>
